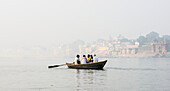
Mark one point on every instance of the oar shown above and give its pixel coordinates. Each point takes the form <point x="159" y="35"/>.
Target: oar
<point x="56" y="65"/>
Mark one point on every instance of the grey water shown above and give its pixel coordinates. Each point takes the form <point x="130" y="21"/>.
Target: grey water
<point x="119" y="74"/>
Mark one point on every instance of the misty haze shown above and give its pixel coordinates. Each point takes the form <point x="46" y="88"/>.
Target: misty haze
<point x="127" y="41"/>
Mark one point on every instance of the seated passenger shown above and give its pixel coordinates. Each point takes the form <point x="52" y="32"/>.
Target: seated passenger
<point x="95" y="58"/>
<point x="84" y="59"/>
<point x="88" y="58"/>
<point x="91" y="58"/>
<point x="77" y="60"/>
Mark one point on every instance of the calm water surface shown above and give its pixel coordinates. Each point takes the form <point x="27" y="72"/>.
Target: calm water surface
<point x="119" y="74"/>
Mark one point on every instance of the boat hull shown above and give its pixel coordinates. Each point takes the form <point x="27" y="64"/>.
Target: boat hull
<point x="96" y="65"/>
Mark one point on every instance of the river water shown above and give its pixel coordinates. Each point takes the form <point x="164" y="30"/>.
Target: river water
<point x="119" y="74"/>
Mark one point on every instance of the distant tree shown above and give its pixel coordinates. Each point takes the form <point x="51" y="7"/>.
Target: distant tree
<point x="152" y="36"/>
<point x="132" y="41"/>
<point x="124" y="40"/>
<point x="167" y="37"/>
<point x="120" y="37"/>
<point x="142" y="40"/>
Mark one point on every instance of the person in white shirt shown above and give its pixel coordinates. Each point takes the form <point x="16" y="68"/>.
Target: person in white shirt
<point x="84" y="59"/>
<point x="77" y="60"/>
<point x="95" y="58"/>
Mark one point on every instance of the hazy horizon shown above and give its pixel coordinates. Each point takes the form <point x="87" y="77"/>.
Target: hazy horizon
<point x="44" y="22"/>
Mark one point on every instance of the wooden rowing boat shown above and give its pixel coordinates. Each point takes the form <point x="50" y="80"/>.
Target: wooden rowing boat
<point x="96" y="65"/>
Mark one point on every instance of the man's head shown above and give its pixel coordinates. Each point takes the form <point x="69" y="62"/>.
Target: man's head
<point x="78" y="56"/>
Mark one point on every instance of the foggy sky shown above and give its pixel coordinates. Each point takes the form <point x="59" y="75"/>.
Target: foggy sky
<point x="29" y="22"/>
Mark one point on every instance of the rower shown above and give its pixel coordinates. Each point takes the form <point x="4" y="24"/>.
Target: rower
<point x="77" y="60"/>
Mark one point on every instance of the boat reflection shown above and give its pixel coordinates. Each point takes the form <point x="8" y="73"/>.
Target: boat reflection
<point x="92" y="80"/>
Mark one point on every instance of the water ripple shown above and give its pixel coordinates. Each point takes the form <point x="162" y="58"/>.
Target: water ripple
<point x="139" y="69"/>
